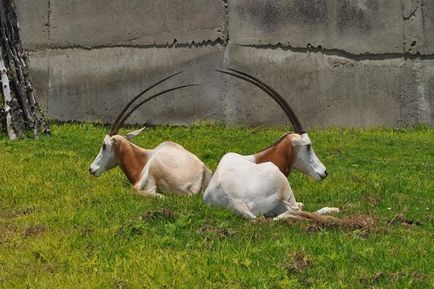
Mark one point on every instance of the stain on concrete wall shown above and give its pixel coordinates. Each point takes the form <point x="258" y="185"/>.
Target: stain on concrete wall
<point x="348" y="63"/>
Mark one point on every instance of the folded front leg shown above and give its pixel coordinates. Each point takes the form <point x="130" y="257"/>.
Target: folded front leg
<point x="150" y="189"/>
<point x="243" y="210"/>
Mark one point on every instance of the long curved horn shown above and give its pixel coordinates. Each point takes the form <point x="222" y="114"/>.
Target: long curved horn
<point x="272" y="93"/>
<point x="116" y="125"/>
<point x="150" y="98"/>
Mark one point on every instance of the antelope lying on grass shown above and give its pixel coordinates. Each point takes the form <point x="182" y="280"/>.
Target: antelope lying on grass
<point x="257" y="184"/>
<point x="167" y="168"/>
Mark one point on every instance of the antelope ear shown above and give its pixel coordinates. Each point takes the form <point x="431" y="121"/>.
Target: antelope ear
<point x="135" y="133"/>
<point x="300" y="140"/>
<point x="297" y="140"/>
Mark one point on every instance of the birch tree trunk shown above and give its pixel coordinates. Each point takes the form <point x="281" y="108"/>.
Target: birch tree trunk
<point x="20" y="114"/>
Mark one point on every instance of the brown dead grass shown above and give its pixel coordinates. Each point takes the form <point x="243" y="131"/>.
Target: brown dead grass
<point x="374" y="279"/>
<point x="297" y="266"/>
<point x="17" y="212"/>
<point x="315" y="222"/>
<point x="34" y="230"/>
<point x="372" y="200"/>
<point x="158" y="214"/>
<point x="299" y="262"/>
<point x="215" y="232"/>
<point x="401" y="220"/>
<point x="364" y="223"/>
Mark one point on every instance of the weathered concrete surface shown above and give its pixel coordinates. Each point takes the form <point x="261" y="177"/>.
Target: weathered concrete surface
<point x="323" y="90"/>
<point x="40" y="70"/>
<point x="33" y="15"/>
<point x="94" y="85"/>
<point x="134" y="22"/>
<point x="418" y="16"/>
<point x="358" y="27"/>
<point x="372" y="62"/>
<point x="430" y="89"/>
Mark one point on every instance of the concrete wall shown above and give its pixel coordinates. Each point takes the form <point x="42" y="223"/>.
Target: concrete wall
<point x="337" y="62"/>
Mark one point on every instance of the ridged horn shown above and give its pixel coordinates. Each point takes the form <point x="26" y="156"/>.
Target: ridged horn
<point x="150" y="98"/>
<point x="272" y="93"/>
<point x="117" y="124"/>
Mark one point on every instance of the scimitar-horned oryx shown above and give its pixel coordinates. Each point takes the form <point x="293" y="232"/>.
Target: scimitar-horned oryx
<point x="167" y="168"/>
<point x="257" y="184"/>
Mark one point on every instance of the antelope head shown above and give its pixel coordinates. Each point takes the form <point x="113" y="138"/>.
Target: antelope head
<point x="106" y="158"/>
<point x="300" y="155"/>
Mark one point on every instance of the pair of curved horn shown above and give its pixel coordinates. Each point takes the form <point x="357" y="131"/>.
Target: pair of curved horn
<point x="271" y="92"/>
<point x="123" y="115"/>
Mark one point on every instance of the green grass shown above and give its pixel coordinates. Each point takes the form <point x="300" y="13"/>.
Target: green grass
<point x="61" y="228"/>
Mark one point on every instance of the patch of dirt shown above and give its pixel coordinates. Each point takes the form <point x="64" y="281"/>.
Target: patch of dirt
<point x="336" y="151"/>
<point x="401" y="220"/>
<point x="17" y="212"/>
<point x="7" y="230"/>
<point x="34" y="230"/>
<point x="213" y="232"/>
<point x="48" y="268"/>
<point x="298" y="263"/>
<point x="376" y="278"/>
<point x="350" y="223"/>
<point x="158" y="214"/>
<point x="360" y="179"/>
<point x="119" y="284"/>
<point x="262" y="221"/>
<point x="372" y="200"/>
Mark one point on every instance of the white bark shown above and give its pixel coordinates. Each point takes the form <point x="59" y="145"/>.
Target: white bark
<point x="7" y="96"/>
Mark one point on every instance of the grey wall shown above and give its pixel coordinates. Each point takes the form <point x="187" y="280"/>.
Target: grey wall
<point x="348" y="63"/>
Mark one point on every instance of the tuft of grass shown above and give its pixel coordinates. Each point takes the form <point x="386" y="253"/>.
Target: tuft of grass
<point x="60" y="227"/>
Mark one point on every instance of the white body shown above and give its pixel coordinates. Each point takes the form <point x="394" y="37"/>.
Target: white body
<point x="167" y="168"/>
<point x="172" y="168"/>
<point x="252" y="189"/>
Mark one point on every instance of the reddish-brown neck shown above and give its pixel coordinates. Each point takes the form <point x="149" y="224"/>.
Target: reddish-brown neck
<point x="281" y="154"/>
<point x="131" y="159"/>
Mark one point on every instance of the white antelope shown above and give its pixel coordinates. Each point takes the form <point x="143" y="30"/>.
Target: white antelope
<point x="257" y="184"/>
<point x="167" y="168"/>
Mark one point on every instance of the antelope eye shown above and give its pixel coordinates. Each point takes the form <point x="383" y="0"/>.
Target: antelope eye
<point x="104" y="146"/>
<point x="309" y="147"/>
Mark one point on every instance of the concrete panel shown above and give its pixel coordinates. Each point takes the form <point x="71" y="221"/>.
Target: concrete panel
<point x="366" y="26"/>
<point x="426" y="93"/>
<point x="39" y="71"/>
<point x="323" y="90"/>
<point x="33" y="18"/>
<point x="94" y="85"/>
<point x="134" y="22"/>
<point x="427" y="8"/>
<point x="430" y="91"/>
<point x="418" y="17"/>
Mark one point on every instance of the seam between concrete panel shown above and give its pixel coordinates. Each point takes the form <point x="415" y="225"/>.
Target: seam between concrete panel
<point x="226" y="25"/>
<point x="49" y="21"/>
<point x="340" y="52"/>
<point x="174" y="44"/>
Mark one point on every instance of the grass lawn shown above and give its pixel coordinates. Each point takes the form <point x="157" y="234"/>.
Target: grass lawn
<point x="62" y="228"/>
